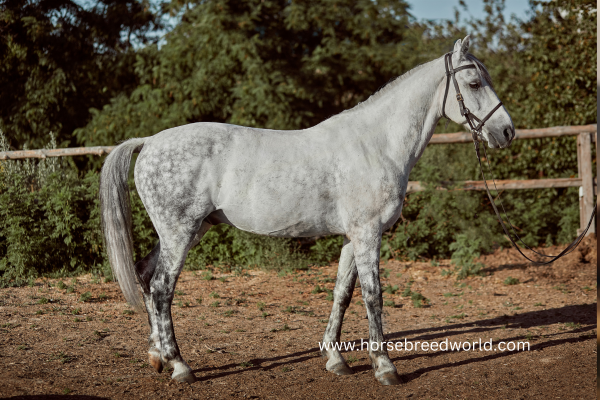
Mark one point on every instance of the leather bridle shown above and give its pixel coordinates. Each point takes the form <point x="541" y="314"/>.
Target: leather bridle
<point x="464" y="111"/>
<point x="476" y="132"/>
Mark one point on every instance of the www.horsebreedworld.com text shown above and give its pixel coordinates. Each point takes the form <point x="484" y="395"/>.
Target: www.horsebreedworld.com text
<point x="443" y="345"/>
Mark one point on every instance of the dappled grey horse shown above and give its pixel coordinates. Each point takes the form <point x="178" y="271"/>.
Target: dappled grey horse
<point x="346" y="176"/>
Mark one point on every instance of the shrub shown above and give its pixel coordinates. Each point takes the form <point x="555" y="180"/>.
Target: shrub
<point x="48" y="203"/>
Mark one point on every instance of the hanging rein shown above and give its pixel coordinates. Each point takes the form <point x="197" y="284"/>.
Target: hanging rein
<point x="476" y="133"/>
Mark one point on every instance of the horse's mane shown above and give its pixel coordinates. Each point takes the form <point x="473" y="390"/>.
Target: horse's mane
<point x="481" y="69"/>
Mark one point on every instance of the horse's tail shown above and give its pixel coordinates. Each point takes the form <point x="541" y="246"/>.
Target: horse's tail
<point x="115" y="216"/>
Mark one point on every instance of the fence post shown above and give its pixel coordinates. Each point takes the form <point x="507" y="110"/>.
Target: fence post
<point x="586" y="191"/>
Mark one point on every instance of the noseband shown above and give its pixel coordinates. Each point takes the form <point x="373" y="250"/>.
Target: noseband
<point x="464" y="111"/>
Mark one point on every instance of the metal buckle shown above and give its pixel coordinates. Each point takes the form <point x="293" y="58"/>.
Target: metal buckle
<point x="459" y="97"/>
<point x="477" y="136"/>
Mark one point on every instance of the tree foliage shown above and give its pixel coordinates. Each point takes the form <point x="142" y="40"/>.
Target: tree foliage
<point x="58" y="59"/>
<point x="283" y="65"/>
<point x="270" y="64"/>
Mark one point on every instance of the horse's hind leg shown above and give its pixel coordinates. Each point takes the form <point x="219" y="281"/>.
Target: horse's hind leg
<point x="366" y="254"/>
<point x="171" y="257"/>
<point x="145" y="270"/>
<point x="342" y="294"/>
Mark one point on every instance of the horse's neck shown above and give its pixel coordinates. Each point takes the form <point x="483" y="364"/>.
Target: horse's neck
<point x="400" y="121"/>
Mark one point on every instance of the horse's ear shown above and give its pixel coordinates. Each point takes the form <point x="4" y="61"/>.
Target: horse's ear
<point x="461" y="48"/>
<point x="464" y="47"/>
<point x="457" y="46"/>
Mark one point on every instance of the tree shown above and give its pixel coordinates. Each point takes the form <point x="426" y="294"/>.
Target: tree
<point x="271" y="64"/>
<point x="58" y="59"/>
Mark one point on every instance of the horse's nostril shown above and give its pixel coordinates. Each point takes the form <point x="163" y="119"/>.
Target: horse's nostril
<point x="506" y="133"/>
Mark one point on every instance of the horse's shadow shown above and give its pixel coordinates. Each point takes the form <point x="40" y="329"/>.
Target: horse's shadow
<point x="581" y="314"/>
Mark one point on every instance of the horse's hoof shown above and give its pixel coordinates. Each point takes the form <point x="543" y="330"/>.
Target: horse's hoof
<point x="341" y="369"/>
<point x="154" y="360"/>
<point x="186" y="377"/>
<point x="391" y="378"/>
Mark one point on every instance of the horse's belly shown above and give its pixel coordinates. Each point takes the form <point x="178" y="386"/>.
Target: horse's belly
<point x="279" y="221"/>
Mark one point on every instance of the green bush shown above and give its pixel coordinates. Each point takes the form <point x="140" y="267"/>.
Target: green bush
<point x="49" y="221"/>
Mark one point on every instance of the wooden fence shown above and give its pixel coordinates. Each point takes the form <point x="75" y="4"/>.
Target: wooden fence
<point x="586" y="134"/>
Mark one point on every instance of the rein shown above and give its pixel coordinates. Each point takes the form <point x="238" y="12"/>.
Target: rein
<point x="476" y="132"/>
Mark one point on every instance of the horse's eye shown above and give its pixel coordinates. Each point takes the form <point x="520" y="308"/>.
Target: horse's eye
<point x="474" y="86"/>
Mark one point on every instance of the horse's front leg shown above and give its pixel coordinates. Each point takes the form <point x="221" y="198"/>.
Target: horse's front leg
<point x="342" y="294"/>
<point x="366" y="253"/>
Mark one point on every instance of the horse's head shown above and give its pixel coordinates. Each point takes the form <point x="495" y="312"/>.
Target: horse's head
<point x="479" y="100"/>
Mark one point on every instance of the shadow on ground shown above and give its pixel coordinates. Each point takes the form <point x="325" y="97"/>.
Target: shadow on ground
<point x="580" y="314"/>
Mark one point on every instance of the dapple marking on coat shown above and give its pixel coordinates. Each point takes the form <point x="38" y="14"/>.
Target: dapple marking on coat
<point x="345" y="176"/>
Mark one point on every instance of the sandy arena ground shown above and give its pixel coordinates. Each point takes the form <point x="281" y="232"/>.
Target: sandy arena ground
<point x="53" y="345"/>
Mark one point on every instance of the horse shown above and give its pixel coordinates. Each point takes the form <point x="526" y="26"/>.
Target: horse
<point x="345" y="176"/>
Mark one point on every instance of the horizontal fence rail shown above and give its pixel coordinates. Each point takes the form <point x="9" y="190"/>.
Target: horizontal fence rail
<point x="585" y="181"/>
<point x="440" y="138"/>
<point x="504" y="184"/>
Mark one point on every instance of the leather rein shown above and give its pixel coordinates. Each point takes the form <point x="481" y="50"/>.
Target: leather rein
<point x="476" y="133"/>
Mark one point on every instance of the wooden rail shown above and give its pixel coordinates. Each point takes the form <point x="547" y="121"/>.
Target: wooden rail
<point x="586" y="134"/>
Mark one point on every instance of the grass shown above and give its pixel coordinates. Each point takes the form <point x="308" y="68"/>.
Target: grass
<point x="229" y="313"/>
<point x="246" y="364"/>
<point x="390" y="289"/>
<point x="206" y="275"/>
<point x="76" y="311"/>
<point x="573" y="325"/>
<point x="199" y="300"/>
<point x="214" y="295"/>
<point x="407" y="292"/>
<point x="265" y="315"/>
<point x="329" y="296"/>
<point x="389" y="303"/>
<point x="87" y="296"/>
<point x="351" y="359"/>
<point x="43" y="300"/>
<point x="102" y="296"/>
<point x="359" y="303"/>
<point x="179" y="293"/>
<point x="216" y="304"/>
<point x="318" y="290"/>
<point x="61" y="285"/>
<point x="511" y="281"/>
<point x="260" y="305"/>
<point x="128" y="312"/>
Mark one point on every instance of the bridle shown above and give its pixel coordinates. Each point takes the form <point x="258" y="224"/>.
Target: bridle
<point x="476" y="133"/>
<point x="464" y="111"/>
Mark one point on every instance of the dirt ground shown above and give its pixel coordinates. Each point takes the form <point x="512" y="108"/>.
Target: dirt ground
<point x="52" y="344"/>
